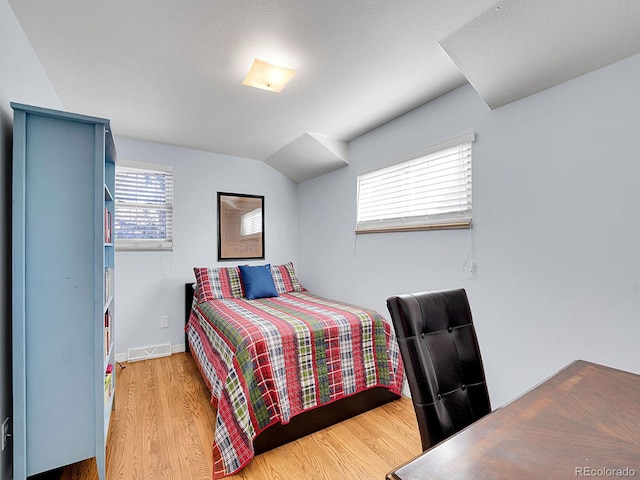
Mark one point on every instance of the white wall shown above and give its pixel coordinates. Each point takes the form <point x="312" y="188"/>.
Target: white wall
<point x="151" y="284"/>
<point x="5" y="279"/>
<point x="556" y="232"/>
<point x="22" y="79"/>
<point x="554" y="283"/>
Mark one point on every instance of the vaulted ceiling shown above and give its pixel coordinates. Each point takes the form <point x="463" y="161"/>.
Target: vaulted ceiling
<point x="170" y="71"/>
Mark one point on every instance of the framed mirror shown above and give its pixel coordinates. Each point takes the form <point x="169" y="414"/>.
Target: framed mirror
<point x="240" y="226"/>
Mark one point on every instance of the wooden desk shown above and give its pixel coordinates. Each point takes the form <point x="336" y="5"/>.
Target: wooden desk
<point x="582" y="422"/>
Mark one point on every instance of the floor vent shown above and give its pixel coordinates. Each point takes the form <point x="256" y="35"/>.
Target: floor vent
<point x="145" y="353"/>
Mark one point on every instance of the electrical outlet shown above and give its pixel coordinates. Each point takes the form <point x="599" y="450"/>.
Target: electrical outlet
<point x="164" y="321"/>
<point x="5" y="433"/>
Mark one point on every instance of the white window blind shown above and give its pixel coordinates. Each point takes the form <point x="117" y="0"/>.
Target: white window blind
<point x="144" y="207"/>
<point x="251" y="223"/>
<point x="426" y="190"/>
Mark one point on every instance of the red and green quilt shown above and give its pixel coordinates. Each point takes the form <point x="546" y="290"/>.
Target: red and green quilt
<point x="267" y="360"/>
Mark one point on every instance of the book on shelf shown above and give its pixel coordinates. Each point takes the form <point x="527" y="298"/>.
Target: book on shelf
<point x="107" y="334"/>
<point x="108" y="226"/>
<point x="108" y="284"/>
<point x="108" y="383"/>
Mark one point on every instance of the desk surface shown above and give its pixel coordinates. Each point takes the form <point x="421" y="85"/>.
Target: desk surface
<point x="582" y="422"/>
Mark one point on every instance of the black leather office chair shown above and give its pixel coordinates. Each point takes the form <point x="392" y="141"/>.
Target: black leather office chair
<point x="442" y="361"/>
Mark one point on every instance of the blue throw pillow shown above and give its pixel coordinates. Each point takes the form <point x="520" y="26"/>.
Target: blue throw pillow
<point x="257" y="281"/>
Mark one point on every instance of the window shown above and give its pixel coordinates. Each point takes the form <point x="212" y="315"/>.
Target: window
<point x="251" y="223"/>
<point x="144" y="207"/>
<point x="429" y="189"/>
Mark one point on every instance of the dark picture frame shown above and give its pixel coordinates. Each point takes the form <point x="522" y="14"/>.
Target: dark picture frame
<point x="240" y="226"/>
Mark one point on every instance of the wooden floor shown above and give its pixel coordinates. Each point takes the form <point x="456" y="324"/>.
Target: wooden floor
<point x="162" y="429"/>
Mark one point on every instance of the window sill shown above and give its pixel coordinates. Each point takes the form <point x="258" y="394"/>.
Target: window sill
<point x="141" y="247"/>
<point x="417" y="228"/>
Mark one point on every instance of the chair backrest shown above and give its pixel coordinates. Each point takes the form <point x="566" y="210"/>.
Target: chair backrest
<point x="442" y="361"/>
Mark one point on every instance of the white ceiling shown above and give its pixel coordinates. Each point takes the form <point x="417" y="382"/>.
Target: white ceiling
<point x="170" y="71"/>
<point x="521" y="47"/>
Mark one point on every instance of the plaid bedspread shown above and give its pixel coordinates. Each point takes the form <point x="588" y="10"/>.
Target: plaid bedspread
<point x="267" y="360"/>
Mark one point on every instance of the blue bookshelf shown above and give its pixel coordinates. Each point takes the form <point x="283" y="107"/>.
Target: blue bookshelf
<point x="63" y="298"/>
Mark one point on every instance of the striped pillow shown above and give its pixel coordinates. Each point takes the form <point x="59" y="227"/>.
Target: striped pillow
<point x="285" y="279"/>
<point x="217" y="283"/>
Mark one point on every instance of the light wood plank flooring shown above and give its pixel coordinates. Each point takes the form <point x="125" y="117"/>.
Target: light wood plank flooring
<point x="162" y="429"/>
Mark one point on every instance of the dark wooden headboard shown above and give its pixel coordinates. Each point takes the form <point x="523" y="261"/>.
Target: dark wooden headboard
<point x="188" y="299"/>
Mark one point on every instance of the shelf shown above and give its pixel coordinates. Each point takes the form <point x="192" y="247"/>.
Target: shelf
<point x="107" y="411"/>
<point x="108" y="357"/>
<point x="107" y="304"/>
<point x="107" y="414"/>
<point x="61" y="161"/>
<point x="109" y="395"/>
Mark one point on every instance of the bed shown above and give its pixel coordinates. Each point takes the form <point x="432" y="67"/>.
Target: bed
<point x="283" y="363"/>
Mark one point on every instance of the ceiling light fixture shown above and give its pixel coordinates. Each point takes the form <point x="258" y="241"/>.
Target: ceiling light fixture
<point x="268" y="77"/>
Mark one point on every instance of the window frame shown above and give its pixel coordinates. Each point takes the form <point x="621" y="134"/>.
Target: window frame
<point x="449" y="220"/>
<point x="143" y="244"/>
